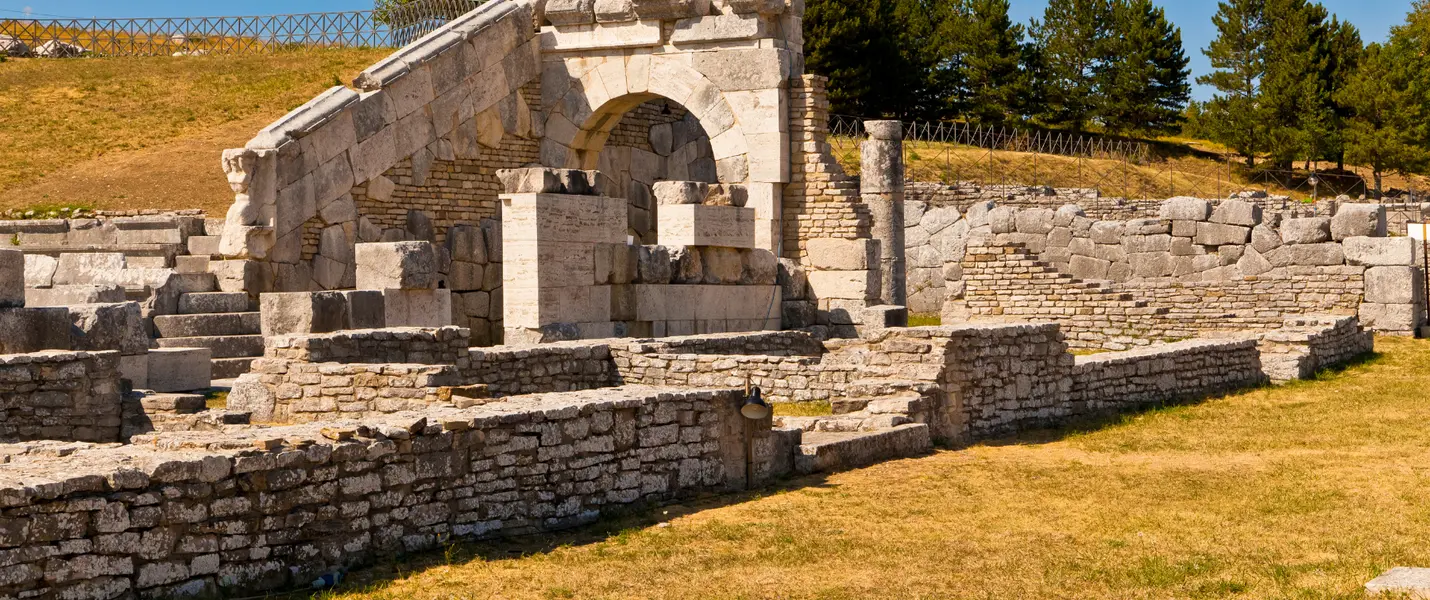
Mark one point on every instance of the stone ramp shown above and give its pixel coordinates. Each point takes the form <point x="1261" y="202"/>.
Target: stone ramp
<point x="827" y="451"/>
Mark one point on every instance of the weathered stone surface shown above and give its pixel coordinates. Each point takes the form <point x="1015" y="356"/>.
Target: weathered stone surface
<point x="417" y="307"/>
<point x="671" y="193"/>
<point x="794" y="285"/>
<point x="1401" y="582"/>
<point x="1186" y="209"/>
<point x="687" y="265"/>
<point x="40" y="270"/>
<point x="1312" y="230"/>
<point x="701" y="225"/>
<point x="1036" y="220"/>
<point x="1379" y="251"/>
<point x="396" y="265"/>
<point x="654" y="265"/>
<point x="180" y="369"/>
<point x="25" y="330"/>
<point x="1265" y="239"/>
<point x="12" y="278"/>
<point x="88" y="267"/>
<point x="1401" y="318"/>
<point x="831" y="254"/>
<point x="848" y="285"/>
<point x="722" y="266"/>
<point x="570" y="12"/>
<point x="1237" y="212"/>
<point x="303" y="312"/>
<point x="1394" y="285"/>
<point x="1358" y="220"/>
<point x="109" y="327"/>
<point x="727" y="194"/>
<point x="1002" y="220"/>
<point x="1214" y="234"/>
<point x="536" y="180"/>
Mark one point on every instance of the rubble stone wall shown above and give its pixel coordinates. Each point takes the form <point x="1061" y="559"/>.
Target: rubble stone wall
<point x="1121" y="381"/>
<point x="239" y="513"/>
<point x="556" y="367"/>
<point x="412" y="345"/>
<point x="1305" y="345"/>
<point x="57" y="395"/>
<point x="302" y="392"/>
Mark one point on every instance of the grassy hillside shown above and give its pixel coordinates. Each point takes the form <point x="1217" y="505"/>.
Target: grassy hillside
<point x="1302" y="491"/>
<point x="146" y="132"/>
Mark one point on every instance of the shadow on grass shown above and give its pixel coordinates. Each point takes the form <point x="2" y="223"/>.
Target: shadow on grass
<point x="616" y="527"/>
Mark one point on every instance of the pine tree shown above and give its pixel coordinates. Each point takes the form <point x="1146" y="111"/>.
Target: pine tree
<point x="991" y="85"/>
<point x="1142" y="83"/>
<point x="1069" y="41"/>
<point x="1345" y="52"/>
<point x="1237" y="54"/>
<point x="1386" y="128"/>
<point x="879" y="56"/>
<point x="1294" y="94"/>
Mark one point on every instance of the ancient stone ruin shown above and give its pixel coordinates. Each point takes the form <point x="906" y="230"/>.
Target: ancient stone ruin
<point x="521" y="274"/>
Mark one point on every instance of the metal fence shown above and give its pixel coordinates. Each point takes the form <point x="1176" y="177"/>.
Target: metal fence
<point x="954" y="153"/>
<point x="394" y="26"/>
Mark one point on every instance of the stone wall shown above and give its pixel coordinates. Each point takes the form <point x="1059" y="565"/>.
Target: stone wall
<point x="300" y="392"/>
<point x="556" y="367"/>
<point x="244" y="512"/>
<point x="423" y="346"/>
<point x="820" y="201"/>
<point x="57" y="395"/>
<point x="1305" y="345"/>
<point x="1209" y="269"/>
<point x="1120" y="381"/>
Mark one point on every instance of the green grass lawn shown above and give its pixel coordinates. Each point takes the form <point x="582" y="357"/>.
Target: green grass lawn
<point x="1302" y="491"/>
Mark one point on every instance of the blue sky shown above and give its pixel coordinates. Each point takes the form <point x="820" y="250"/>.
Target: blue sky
<point x="1373" y="17"/>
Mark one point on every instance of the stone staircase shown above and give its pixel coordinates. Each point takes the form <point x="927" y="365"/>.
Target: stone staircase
<point x="219" y="321"/>
<point x="877" y="420"/>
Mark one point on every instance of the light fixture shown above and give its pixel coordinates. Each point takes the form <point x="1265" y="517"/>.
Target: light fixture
<point x="755" y="407"/>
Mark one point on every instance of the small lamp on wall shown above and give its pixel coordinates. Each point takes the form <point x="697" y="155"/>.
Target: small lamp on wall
<point x="755" y="407"/>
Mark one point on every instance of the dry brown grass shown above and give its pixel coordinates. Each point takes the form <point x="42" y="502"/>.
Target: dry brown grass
<point x="1191" y="171"/>
<point x="119" y="133"/>
<point x="1303" y="491"/>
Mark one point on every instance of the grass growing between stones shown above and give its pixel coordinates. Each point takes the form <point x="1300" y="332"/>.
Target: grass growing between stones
<point x="1302" y="491"/>
<point x="916" y="320"/>
<point x="802" y="409"/>
<point x="129" y="133"/>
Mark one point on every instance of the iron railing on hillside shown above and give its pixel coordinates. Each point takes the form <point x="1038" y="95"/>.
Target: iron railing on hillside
<point x="393" y="27"/>
<point x="961" y="153"/>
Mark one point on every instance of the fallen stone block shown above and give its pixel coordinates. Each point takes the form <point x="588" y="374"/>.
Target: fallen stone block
<point x="180" y="369"/>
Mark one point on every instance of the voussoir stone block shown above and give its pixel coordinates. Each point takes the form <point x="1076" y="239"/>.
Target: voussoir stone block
<point x="396" y="265"/>
<point x="1186" y="209"/>
<point x="1379" y="251"/>
<point x="1358" y="220"/>
<point x="1313" y="230"/>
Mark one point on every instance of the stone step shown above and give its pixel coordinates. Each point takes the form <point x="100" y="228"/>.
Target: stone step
<point x="229" y="368"/>
<point x="183" y="404"/>
<point x="213" y="302"/>
<point x="208" y="325"/>
<point x="222" y="346"/>
<point x="825" y="451"/>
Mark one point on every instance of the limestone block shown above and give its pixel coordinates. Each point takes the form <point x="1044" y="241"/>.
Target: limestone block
<point x="1150" y="264"/>
<point x="65" y="295"/>
<point x="727" y="194"/>
<point x="12" y="278"/>
<point x="135" y="368"/>
<point x="1215" y="234"/>
<point x="24" y="330"/>
<point x="1327" y="254"/>
<point x="1184" y="229"/>
<point x="87" y="267"/>
<point x="418" y="227"/>
<point x="1379" y="251"/>
<point x="1106" y="232"/>
<point x="396" y="265"/>
<point x="673" y="193"/>
<point x="1002" y="220"/>
<point x="540" y="218"/>
<point x="1035" y="220"/>
<point x="366" y="309"/>
<point x="700" y="225"/>
<point x="1358" y="220"/>
<point x="417" y="307"/>
<point x="180" y="369"/>
<point x="1265" y="239"/>
<point x="764" y="7"/>
<point x="570" y="12"/>
<point x="1312" y="230"/>
<point x="40" y="270"/>
<point x="761" y="267"/>
<point x="721" y="266"/>
<point x="527" y="307"/>
<point x="1252" y="263"/>
<point x="978" y="213"/>
<point x="1237" y="212"/>
<point x="303" y="312"/>
<point x="118" y="326"/>
<point x="934" y="221"/>
<point x="832" y="254"/>
<point x="745" y="69"/>
<point x="250" y="395"/>
<point x="687" y="265"/>
<point x="1147" y="243"/>
<point x="717" y="28"/>
<point x="466" y="243"/>
<point x="1403" y="318"/>
<point x="671" y="9"/>
<point x="794" y="285"/>
<point x="654" y="265"/>
<point x="1186" y="209"/>
<point x="1147" y="227"/>
<point x="1394" y="285"/>
<point x="846" y="285"/>
<point x="615" y="11"/>
<point x="1066" y="214"/>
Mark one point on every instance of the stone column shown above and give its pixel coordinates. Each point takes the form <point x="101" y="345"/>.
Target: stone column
<point x="881" y="183"/>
